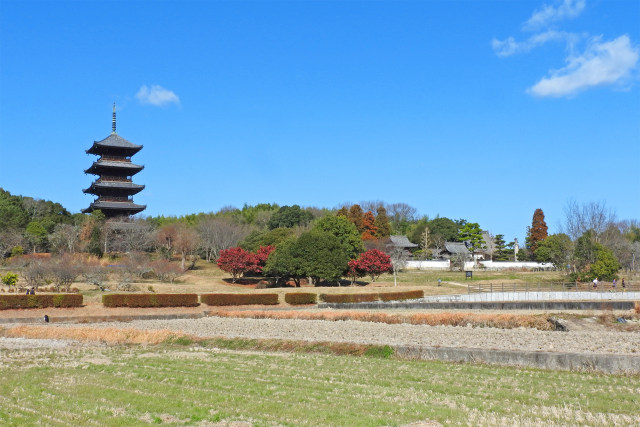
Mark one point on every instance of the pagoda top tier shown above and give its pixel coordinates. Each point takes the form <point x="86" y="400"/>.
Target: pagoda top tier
<point x="114" y="143"/>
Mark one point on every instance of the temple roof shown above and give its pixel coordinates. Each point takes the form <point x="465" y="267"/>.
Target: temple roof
<point x="401" y="242"/>
<point x="117" y="206"/>
<point x="130" y="168"/>
<point x="114" y="141"/>
<point x="115" y="185"/>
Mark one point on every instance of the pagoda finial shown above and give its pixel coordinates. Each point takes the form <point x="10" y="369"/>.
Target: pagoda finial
<point x="113" y="120"/>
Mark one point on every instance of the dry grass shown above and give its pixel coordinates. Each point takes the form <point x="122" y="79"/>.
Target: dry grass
<point x="502" y="321"/>
<point x="105" y="335"/>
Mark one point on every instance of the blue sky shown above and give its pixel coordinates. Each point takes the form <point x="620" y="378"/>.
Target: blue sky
<point x="465" y="109"/>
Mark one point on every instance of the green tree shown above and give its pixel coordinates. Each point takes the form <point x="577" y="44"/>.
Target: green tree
<point x="382" y="223"/>
<point x="501" y="253"/>
<point x="322" y="256"/>
<point x="444" y="227"/>
<point x="345" y="231"/>
<point x="12" y="214"/>
<point x="290" y="216"/>
<point x="471" y="233"/>
<point x="285" y="263"/>
<point x="606" y="265"/>
<point x="556" y="249"/>
<point x="274" y="237"/>
<point x="36" y="234"/>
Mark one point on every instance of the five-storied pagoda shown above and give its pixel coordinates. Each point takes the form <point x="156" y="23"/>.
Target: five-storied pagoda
<point x="114" y="186"/>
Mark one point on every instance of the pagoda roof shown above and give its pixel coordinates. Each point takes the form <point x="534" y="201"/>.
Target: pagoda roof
<point x="115" y="206"/>
<point x="108" y="164"/>
<point x="113" y="141"/>
<point x="115" y="185"/>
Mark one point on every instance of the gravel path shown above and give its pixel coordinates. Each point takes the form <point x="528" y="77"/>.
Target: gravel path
<point x="596" y="341"/>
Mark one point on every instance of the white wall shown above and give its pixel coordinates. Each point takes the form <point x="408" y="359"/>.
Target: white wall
<point x="470" y="265"/>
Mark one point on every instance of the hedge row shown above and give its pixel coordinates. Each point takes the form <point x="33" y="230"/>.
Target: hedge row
<point x="8" y="302"/>
<point x="239" y="299"/>
<point x="383" y="296"/>
<point x="150" y="300"/>
<point x="298" y="298"/>
<point x="399" y="296"/>
<point x="346" y="298"/>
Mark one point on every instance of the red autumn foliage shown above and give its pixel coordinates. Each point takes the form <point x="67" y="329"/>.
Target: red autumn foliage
<point x="262" y="255"/>
<point x="373" y="263"/>
<point x="237" y="261"/>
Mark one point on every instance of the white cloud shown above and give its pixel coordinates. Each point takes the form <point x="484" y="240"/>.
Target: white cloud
<point x="550" y="14"/>
<point x="157" y="95"/>
<point x="603" y="63"/>
<point x="510" y="46"/>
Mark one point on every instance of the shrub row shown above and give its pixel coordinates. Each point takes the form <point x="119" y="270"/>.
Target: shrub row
<point x="298" y="298"/>
<point x="8" y="302"/>
<point x="399" y="296"/>
<point x="150" y="300"/>
<point x="239" y="299"/>
<point x="383" y="296"/>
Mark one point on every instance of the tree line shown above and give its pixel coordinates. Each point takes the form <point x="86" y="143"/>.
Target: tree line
<point x="592" y="241"/>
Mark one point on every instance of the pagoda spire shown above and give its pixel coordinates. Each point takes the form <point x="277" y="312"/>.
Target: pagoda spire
<point x="113" y="119"/>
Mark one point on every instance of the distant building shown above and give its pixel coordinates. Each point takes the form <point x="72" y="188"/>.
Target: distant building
<point x="114" y="187"/>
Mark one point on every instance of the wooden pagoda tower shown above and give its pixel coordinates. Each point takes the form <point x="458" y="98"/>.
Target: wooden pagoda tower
<point x="114" y="187"/>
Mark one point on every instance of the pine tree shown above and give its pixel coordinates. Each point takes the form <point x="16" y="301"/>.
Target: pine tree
<point x="538" y="230"/>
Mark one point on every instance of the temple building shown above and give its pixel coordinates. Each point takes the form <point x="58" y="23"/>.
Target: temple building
<point x="114" y="187"/>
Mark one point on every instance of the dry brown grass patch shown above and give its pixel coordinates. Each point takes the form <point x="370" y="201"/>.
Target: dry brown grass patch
<point x="502" y="321"/>
<point x="85" y="333"/>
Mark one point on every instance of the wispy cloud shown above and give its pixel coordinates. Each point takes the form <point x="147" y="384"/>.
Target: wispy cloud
<point x="510" y="46"/>
<point x="550" y="14"/>
<point x="603" y="63"/>
<point x="599" y="63"/>
<point x="157" y="95"/>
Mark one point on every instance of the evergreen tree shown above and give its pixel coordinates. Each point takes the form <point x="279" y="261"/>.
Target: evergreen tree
<point x="382" y="223"/>
<point x="356" y="216"/>
<point x="538" y="230"/>
<point x="472" y="234"/>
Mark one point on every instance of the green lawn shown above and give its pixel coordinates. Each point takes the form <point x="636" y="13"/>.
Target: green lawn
<point x="193" y="385"/>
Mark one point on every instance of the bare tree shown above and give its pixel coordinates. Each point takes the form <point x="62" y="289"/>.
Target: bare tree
<point x="36" y="273"/>
<point x="438" y="244"/>
<point x="371" y="205"/>
<point x="165" y="239"/>
<point x="64" y="271"/>
<point x="399" y="214"/>
<point x="130" y="237"/>
<point x="399" y="257"/>
<point x="186" y="242"/>
<point x="218" y="234"/>
<point x="95" y="274"/>
<point x="65" y="238"/>
<point x="9" y="239"/>
<point x="593" y="216"/>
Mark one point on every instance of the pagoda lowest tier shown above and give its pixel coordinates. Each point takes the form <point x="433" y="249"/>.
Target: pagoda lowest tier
<point x="114" y="168"/>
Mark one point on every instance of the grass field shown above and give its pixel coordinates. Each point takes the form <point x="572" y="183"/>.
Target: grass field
<point x="201" y="385"/>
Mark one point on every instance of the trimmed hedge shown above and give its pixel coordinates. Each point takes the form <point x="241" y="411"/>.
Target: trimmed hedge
<point x="346" y="298"/>
<point x="399" y="296"/>
<point x="371" y="297"/>
<point x="296" y="298"/>
<point x="8" y="302"/>
<point x="239" y="299"/>
<point x="150" y="300"/>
